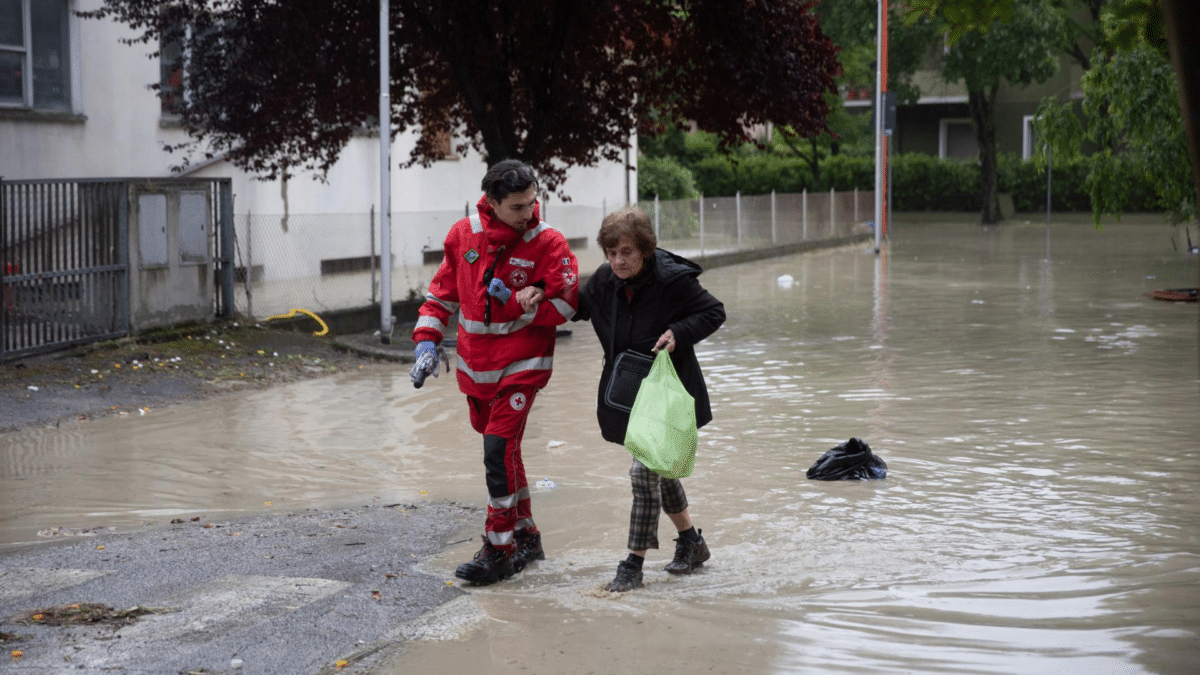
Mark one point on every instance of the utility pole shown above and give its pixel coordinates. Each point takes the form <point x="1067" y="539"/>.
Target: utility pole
<point x="385" y="176"/>
<point x="880" y="90"/>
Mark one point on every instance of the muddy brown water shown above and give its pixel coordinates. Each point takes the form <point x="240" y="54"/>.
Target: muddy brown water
<point x="1039" y="416"/>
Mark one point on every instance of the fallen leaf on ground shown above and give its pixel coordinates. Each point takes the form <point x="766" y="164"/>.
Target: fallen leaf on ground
<point x="84" y="613"/>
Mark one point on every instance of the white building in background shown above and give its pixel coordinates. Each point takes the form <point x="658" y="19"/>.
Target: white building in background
<point x="75" y="103"/>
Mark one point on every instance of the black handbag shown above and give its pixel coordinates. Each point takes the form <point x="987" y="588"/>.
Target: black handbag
<point x="629" y="369"/>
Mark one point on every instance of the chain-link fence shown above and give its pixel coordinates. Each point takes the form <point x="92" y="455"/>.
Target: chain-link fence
<point x="330" y="262"/>
<point x="711" y="225"/>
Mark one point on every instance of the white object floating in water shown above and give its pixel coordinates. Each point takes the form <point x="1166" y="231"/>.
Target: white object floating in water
<point x="32" y="388"/>
<point x="555" y="444"/>
<point x="546" y="484"/>
<point x="785" y="280"/>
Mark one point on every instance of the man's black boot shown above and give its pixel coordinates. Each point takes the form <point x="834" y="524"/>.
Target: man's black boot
<point x="529" y="548"/>
<point x="490" y="565"/>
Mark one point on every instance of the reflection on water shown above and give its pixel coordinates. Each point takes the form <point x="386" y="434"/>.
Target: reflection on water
<point x="1037" y="413"/>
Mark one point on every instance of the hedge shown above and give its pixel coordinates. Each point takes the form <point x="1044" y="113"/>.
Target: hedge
<point x="920" y="182"/>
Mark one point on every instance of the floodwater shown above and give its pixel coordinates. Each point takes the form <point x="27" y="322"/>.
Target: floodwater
<point x="1039" y="415"/>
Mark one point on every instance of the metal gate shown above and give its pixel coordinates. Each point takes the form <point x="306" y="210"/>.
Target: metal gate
<point x="65" y="277"/>
<point x="66" y="260"/>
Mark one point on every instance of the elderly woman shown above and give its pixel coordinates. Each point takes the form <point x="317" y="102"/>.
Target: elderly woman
<point x="646" y="299"/>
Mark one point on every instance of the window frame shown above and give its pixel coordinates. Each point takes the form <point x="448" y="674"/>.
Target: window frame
<point x="944" y="134"/>
<point x="1028" y="137"/>
<point x="26" y="52"/>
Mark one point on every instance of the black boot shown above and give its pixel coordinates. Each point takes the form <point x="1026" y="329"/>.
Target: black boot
<point x="629" y="577"/>
<point x="529" y="548"/>
<point x="690" y="553"/>
<point x="490" y="565"/>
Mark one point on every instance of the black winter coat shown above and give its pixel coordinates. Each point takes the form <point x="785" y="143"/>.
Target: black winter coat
<point x="666" y="294"/>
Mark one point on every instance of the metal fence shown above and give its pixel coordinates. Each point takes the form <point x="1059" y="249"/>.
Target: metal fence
<point x="714" y="225"/>
<point x="331" y="262"/>
<point x="72" y="262"/>
<point x="65" y="277"/>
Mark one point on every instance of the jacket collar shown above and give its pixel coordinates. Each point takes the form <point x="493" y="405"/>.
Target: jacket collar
<point x="497" y="231"/>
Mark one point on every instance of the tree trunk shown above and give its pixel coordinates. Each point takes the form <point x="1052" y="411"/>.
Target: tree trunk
<point x="982" y="104"/>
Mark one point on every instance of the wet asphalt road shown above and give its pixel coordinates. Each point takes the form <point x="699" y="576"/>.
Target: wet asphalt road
<point x="286" y="594"/>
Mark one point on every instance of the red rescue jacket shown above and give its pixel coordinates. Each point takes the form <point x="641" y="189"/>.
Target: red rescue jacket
<point x="504" y="346"/>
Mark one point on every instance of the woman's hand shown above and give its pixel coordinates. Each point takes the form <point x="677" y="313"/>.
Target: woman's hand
<point x="530" y="297"/>
<point x="665" y="341"/>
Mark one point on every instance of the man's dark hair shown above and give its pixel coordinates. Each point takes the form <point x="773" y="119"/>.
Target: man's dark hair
<point x="507" y="177"/>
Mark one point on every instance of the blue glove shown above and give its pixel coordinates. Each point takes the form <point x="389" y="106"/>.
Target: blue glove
<point x="426" y="362"/>
<point x="499" y="291"/>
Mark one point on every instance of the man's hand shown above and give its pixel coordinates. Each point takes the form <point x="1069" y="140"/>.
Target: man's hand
<point x="499" y="291"/>
<point x="426" y="362"/>
<point x="530" y="297"/>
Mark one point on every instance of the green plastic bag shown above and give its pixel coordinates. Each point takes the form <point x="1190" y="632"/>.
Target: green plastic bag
<point x="662" y="423"/>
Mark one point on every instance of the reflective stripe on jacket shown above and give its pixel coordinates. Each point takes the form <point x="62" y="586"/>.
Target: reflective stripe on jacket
<point x="503" y="345"/>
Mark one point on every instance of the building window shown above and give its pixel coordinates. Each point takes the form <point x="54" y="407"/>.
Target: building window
<point x="956" y="139"/>
<point x="35" y="54"/>
<point x="180" y="47"/>
<point x="1028" y="138"/>
<point x="170" y="83"/>
<point x="439" y="141"/>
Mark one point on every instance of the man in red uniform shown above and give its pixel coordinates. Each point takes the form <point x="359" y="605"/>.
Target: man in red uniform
<point x="496" y="267"/>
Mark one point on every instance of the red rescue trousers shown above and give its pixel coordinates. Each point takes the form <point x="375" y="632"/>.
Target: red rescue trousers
<point x="502" y="423"/>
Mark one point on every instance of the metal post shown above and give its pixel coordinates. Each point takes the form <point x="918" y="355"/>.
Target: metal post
<point x="372" y="254"/>
<point x="880" y="73"/>
<point x="887" y="214"/>
<point x="804" y="217"/>
<point x="228" y="251"/>
<point x="832" y="212"/>
<point x="856" y="205"/>
<point x="737" y="215"/>
<point x="385" y="176"/>
<point x="656" y="227"/>
<point x="249" y="264"/>
<point x="1049" y="173"/>
<point x="772" y="217"/>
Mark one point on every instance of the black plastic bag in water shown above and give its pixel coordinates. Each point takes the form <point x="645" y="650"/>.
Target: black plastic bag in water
<point x="852" y="460"/>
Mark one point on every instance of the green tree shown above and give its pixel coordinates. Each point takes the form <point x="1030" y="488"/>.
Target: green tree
<point x="852" y="27"/>
<point x="1131" y="104"/>
<point x="1021" y="52"/>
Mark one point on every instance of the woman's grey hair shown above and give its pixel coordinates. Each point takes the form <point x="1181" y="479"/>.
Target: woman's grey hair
<point x="632" y="222"/>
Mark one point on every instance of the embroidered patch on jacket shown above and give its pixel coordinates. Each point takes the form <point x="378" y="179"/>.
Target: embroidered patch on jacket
<point x="569" y="278"/>
<point x="566" y="262"/>
<point x="517" y="401"/>
<point x="521" y="262"/>
<point x="518" y="278"/>
<point x="471" y="256"/>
